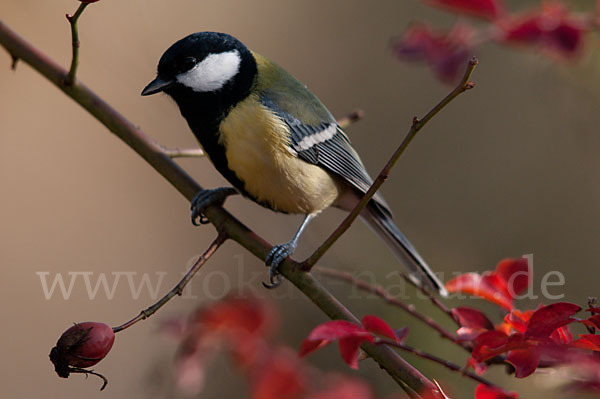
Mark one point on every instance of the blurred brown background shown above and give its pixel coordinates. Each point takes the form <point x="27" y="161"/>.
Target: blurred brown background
<point x="510" y="168"/>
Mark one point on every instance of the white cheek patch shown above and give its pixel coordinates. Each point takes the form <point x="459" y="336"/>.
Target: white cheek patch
<point x="212" y="73"/>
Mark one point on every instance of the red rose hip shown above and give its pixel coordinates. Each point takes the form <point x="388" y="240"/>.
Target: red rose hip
<point x="82" y="345"/>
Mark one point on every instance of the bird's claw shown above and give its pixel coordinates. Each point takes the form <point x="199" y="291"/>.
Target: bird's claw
<point x="207" y="198"/>
<point x="277" y="255"/>
<point x="274" y="279"/>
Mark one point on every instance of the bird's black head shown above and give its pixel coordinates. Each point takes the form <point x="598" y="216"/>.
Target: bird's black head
<point x="205" y="72"/>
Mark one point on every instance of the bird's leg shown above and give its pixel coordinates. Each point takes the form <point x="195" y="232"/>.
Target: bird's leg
<point x="206" y="198"/>
<point x="281" y="251"/>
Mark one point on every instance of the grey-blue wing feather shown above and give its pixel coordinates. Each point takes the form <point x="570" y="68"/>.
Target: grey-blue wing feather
<point x="327" y="146"/>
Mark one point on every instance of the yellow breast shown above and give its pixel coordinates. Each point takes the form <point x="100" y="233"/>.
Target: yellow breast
<point x="257" y="150"/>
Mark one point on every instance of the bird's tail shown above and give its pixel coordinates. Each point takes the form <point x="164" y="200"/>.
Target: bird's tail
<point x="385" y="228"/>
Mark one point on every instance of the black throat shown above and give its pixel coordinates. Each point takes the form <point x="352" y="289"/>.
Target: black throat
<point x="205" y="111"/>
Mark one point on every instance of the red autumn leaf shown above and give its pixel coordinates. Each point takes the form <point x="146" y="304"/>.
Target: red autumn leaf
<point x="190" y="370"/>
<point x="492" y="339"/>
<point x="173" y="327"/>
<point x="343" y="387"/>
<point x="479" y="368"/>
<point x="446" y="53"/>
<point x="500" y="286"/>
<point x="196" y="350"/>
<point x="484" y="286"/>
<point x="488" y="9"/>
<point x="349" y="350"/>
<point x="469" y="317"/>
<point x="542" y="335"/>
<point x="588" y="341"/>
<point x="238" y="317"/>
<point x="517" y="320"/>
<point x="562" y="335"/>
<point x="272" y="372"/>
<point x="378" y="326"/>
<point x="567" y="38"/>
<point x="239" y="323"/>
<point x="349" y="335"/>
<point x="523" y="354"/>
<point x="493" y="343"/>
<point x="526" y="30"/>
<point x="552" y="28"/>
<point x="242" y="322"/>
<point x="486" y="342"/>
<point x="280" y="377"/>
<point x="547" y="319"/>
<point x="486" y="392"/>
<point x="525" y="361"/>
<point x="308" y="346"/>
<point x="515" y="272"/>
<point x="472" y="321"/>
<point x="593" y="322"/>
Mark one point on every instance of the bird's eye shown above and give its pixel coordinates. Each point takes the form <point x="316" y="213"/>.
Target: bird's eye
<point x="188" y="63"/>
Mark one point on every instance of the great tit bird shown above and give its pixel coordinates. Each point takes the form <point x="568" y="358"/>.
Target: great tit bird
<point x="273" y="140"/>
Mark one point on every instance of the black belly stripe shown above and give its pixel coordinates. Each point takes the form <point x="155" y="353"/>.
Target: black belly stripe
<point x="207" y="133"/>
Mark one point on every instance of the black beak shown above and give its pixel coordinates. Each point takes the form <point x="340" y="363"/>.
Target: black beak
<point x="157" y="85"/>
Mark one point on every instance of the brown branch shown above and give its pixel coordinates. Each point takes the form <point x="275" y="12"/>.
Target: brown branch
<point x="435" y="301"/>
<point x="351" y="118"/>
<point x="401" y="371"/>
<point x="344" y="122"/>
<point x="449" y="365"/>
<point x="178" y="289"/>
<point x="417" y="125"/>
<point x="74" y="43"/>
<point x="387" y="297"/>
<point x="183" y="152"/>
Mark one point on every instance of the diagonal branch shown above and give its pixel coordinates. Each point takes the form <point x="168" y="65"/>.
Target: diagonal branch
<point x="436" y="302"/>
<point x="417" y="125"/>
<point x="401" y="371"/>
<point x="388" y="298"/>
<point x="178" y="289"/>
<point x="449" y="365"/>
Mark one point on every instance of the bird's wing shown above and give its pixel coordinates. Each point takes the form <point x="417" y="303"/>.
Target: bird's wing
<point x="314" y="133"/>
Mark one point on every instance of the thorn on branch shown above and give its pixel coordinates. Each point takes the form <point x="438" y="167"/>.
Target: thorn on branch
<point x="14" y="61"/>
